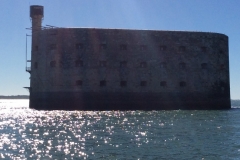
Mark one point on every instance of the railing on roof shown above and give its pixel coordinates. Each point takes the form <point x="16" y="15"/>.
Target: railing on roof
<point x="28" y="69"/>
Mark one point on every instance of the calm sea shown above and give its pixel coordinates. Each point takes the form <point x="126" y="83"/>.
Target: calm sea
<point x="198" y="135"/>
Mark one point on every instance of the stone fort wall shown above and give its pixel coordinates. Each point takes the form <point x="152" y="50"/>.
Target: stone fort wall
<point x="120" y="60"/>
<point x="121" y="69"/>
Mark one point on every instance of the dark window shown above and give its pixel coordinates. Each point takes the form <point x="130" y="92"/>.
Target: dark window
<point x="36" y="48"/>
<point x="79" y="46"/>
<point x="204" y="49"/>
<point x="221" y="51"/>
<point x="103" y="46"/>
<point x="35" y="65"/>
<point x="123" y="83"/>
<point x="182" y="65"/>
<point x="182" y="84"/>
<point x="163" y="65"/>
<point x="162" y="48"/>
<point x="52" y="46"/>
<point x="53" y="63"/>
<point x="79" y="82"/>
<point x="143" y="47"/>
<point x="78" y="63"/>
<point x="222" y="66"/>
<point x="103" y="83"/>
<point x="102" y="63"/>
<point x="143" y="64"/>
<point x="204" y="65"/>
<point x="123" y="64"/>
<point x="143" y="83"/>
<point x="163" y="83"/>
<point x="182" y="48"/>
<point x="123" y="47"/>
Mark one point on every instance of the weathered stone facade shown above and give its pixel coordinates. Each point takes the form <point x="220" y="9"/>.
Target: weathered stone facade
<point x="108" y="69"/>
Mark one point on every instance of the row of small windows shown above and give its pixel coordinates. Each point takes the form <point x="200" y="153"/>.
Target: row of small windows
<point x="79" y="63"/>
<point x="124" y="83"/>
<point x="123" y="47"/>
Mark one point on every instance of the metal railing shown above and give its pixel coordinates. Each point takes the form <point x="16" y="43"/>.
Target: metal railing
<point x="28" y="69"/>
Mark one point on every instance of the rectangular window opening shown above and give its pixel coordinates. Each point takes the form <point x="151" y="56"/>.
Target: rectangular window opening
<point x="79" y="63"/>
<point x="163" y="83"/>
<point x="103" y="83"/>
<point x="79" y="46"/>
<point x="182" y="84"/>
<point x="123" y="64"/>
<point x="163" y="65"/>
<point x="182" y="65"/>
<point x="143" y="83"/>
<point x="204" y="65"/>
<point x="123" y="83"/>
<point x="79" y="82"/>
<point x="52" y="46"/>
<point x="53" y="64"/>
<point x="36" y="65"/>
<point x="103" y="46"/>
<point x="182" y="48"/>
<point x="123" y="47"/>
<point x="222" y="66"/>
<point x="36" y="48"/>
<point x="143" y="47"/>
<point x="102" y="63"/>
<point x="143" y="64"/>
<point x="162" y="48"/>
<point x="204" y="49"/>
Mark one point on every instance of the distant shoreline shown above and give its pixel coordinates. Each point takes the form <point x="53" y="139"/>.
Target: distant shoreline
<point x="15" y="97"/>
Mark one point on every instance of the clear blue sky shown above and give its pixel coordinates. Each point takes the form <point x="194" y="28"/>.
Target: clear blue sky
<point x="188" y="15"/>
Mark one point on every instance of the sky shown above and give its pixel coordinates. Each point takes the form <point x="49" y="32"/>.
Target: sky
<point x="219" y="16"/>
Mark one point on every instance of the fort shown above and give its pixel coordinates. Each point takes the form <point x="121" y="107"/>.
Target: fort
<point x="123" y="69"/>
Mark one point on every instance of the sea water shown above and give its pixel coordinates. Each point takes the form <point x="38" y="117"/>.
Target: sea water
<point x="177" y="134"/>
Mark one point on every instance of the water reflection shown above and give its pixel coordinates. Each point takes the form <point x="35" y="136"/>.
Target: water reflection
<point x="31" y="134"/>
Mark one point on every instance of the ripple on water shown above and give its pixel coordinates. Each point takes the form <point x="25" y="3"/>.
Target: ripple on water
<point x="31" y="134"/>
